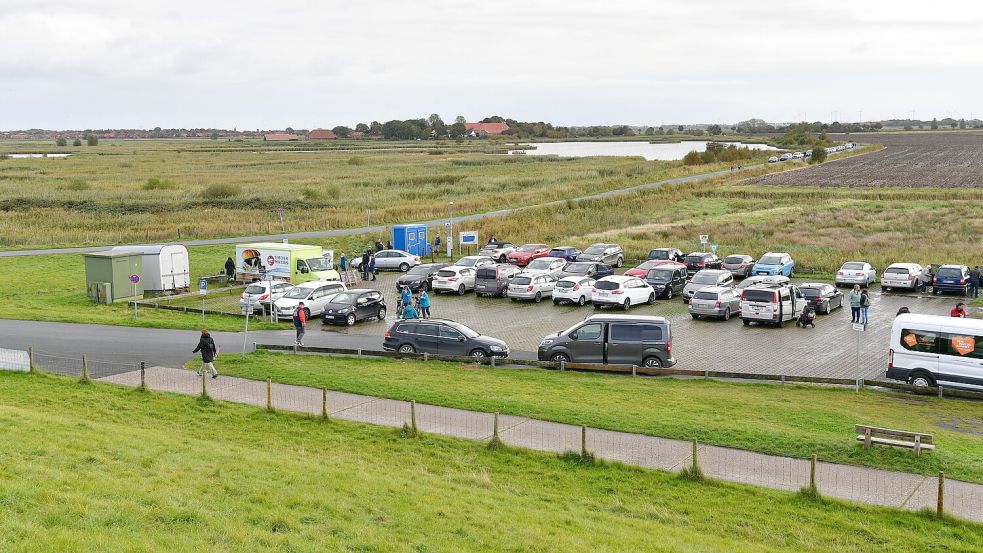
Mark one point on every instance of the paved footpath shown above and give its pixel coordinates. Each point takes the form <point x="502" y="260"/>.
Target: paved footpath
<point x="859" y="484"/>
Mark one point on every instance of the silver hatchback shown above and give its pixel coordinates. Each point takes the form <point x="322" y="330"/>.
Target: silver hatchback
<point x="706" y="278"/>
<point x="715" y="301"/>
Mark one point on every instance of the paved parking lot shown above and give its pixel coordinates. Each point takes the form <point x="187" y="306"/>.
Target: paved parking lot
<point x="829" y="350"/>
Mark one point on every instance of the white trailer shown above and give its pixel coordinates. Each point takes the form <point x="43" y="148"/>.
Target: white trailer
<point x="165" y="266"/>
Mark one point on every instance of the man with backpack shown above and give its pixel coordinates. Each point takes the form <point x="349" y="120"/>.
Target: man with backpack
<point x="300" y="323"/>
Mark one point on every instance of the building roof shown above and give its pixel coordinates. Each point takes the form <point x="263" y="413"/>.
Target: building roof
<point x="487" y="128"/>
<point x="321" y="134"/>
<point x="281" y="136"/>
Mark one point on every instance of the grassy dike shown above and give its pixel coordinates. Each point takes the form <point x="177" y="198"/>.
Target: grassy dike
<point x="798" y="421"/>
<point x="116" y="469"/>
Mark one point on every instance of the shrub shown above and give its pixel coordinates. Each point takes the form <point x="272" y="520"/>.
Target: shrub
<point x="220" y="190"/>
<point x="76" y="142"/>
<point x="61" y="141"/>
<point x="4" y="155"/>
<point x="153" y="183"/>
<point x="818" y="155"/>
<point x="77" y="184"/>
<point x="692" y="158"/>
<point x="92" y="140"/>
<point x="311" y="194"/>
<point x="356" y="160"/>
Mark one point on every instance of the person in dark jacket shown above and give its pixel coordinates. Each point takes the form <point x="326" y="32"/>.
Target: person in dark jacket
<point x="208" y="349"/>
<point x="230" y="269"/>
<point x="389" y="244"/>
<point x="378" y="245"/>
<point x="372" y="270"/>
<point x="974" y="281"/>
<point x="365" y="265"/>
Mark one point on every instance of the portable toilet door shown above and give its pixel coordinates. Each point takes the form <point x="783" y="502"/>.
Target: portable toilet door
<point x="174" y="267"/>
<point x="416" y="240"/>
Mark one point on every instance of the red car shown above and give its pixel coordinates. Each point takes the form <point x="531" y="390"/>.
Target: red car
<point x="643" y="269"/>
<point x="527" y="253"/>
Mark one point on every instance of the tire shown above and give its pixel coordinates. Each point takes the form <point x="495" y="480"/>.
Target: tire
<point x="581" y="301"/>
<point x="461" y="290"/>
<point x="651" y="299"/>
<point x="746" y="322"/>
<point x="404" y="267"/>
<point x="350" y="320"/>
<point x="477" y="354"/>
<point x="694" y="315"/>
<point x="627" y="304"/>
<point x="538" y="298"/>
<point x="652" y="362"/>
<point x="307" y="312"/>
<point x="668" y="293"/>
<point x="937" y="292"/>
<point x="727" y="314"/>
<point x="407" y="348"/>
<point x="557" y="357"/>
<point x="780" y="323"/>
<point x="381" y="314"/>
<point x="501" y="259"/>
<point x="829" y="308"/>
<point x="619" y="263"/>
<point x="556" y="302"/>
<point x="921" y="380"/>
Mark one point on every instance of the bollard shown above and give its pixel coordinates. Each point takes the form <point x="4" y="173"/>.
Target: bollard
<point x="940" y="504"/>
<point x="30" y="359"/>
<point x="812" y="474"/>
<point x="426" y="357"/>
<point x="324" y="403"/>
<point x="695" y="462"/>
<point x="495" y="428"/>
<point x="85" y="369"/>
<point x="143" y="375"/>
<point x="634" y="370"/>
<point x="493" y="361"/>
<point x="295" y="348"/>
<point x="940" y="391"/>
<point x="783" y="380"/>
<point x="359" y="353"/>
<point x="413" y="415"/>
<point x="583" y="441"/>
<point x="269" y="393"/>
<point x="562" y="365"/>
<point x="706" y="374"/>
<point x="204" y="389"/>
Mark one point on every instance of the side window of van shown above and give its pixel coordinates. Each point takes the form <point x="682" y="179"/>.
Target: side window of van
<point x="785" y="295"/>
<point x="961" y="345"/>
<point x="919" y="340"/>
<point x="589" y="332"/>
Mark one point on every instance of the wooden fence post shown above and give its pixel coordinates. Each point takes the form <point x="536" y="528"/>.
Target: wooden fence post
<point x="695" y="462"/>
<point x="812" y="474"/>
<point x="269" y="393"/>
<point x="143" y="375"/>
<point x="940" y="504"/>
<point x="413" y="415"/>
<point x="30" y="359"/>
<point x="583" y="441"/>
<point x="85" y="369"/>
<point x="204" y="388"/>
<point x="495" y="429"/>
<point x="324" y="403"/>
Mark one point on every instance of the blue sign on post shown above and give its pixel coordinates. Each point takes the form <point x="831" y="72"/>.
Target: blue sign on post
<point x="202" y="286"/>
<point x="713" y="248"/>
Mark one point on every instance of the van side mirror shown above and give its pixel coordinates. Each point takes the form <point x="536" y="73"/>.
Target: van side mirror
<point x="460" y="338"/>
<point x="573" y="335"/>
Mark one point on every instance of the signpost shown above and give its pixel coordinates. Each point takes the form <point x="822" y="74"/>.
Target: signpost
<point x="704" y="238"/>
<point x="860" y="328"/>
<point x="468" y="238"/>
<point x="134" y="280"/>
<point x="203" y="290"/>
<point x="713" y="248"/>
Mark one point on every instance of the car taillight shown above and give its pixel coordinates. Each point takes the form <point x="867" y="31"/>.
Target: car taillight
<point x="962" y="281"/>
<point x="452" y="279"/>
<point x="529" y="288"/>
<point x="910" y="277"/>
<point x="669" y="347"/>
<point x="743" y="265"/>
<point x="701" y="264"/>
<point x="840" y="273"/>
<point x="416" y="258"/>
<point x="243" y="295"/>
<point x="820" y="300"/>
<point x="890" y="358"/>
<point x="776" y="297"/>
<point x="264" y="297"/>
<point x="389" y="334"/>
<point x="935" y="280"/>
<point x="859" y="274"/>
<point x="618" y="292"/>
<point x="717" y="304"/>
<point x="742" y="295"/>
<point x="576" y="287"/>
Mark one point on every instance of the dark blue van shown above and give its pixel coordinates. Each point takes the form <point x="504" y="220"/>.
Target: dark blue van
<point x="951" y="279"/>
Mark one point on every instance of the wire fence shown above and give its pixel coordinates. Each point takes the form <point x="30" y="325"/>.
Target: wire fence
<point x="846" y="482"/>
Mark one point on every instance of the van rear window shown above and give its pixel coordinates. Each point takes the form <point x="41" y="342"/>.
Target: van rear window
<point x="897" y="270"/>
<point x="487" y="272"/>
<point x="767" y="296"/>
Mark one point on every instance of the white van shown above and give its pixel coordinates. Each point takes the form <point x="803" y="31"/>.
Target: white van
<point x="929" y="350"/>
<point x="771" y="304"/>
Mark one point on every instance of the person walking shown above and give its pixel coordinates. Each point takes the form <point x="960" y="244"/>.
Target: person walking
<point x="958" y="311"/>
<point x="372" y="270"/>
<point x="300" y="323"/>
<point x="974" y="281"/>
<point x="230" y="269"/>
<point x="864" y="305"/>
<point x="855" y="303"/>
<point x="343" y="262"/>
<point x="365" y="265"/>
<point x="424" y="303"/>
<point x="208" y="350"/>
<point x="436" y="245"/>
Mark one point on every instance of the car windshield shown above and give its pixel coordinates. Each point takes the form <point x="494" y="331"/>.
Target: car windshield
<point x="529" y="248"/>
<point x="255" y="289"/>
<point x="705" y="295"/>
<point x="318" y="264"/>
<point x="347" y="298"/>
<point x="565" y="284"/>
<point x="811" y="292"/>
<point x="464" y="330"/>
<point x="298" y="293"/>
<point x="950" y="272"/>
<point x="852" y="267"/>
<point x="659" y="275"/>
<point x="420" y="270"/>
<point x="446" y="273"/>
<point x="595" y="250"/>
<point x="466" y="262"/>
<point x="607" y="285"/>
<point x="558" y="253"/>
<point x="659" y="254"/>
<point x="694" y="259"/>
<point x="704" y="278"/>
<point x="522" y="280"/>
<point x="771" y="260"/>
<point x="540" y="264"/>
<point x="733" y="259"/>
<point x="577" y="268"/>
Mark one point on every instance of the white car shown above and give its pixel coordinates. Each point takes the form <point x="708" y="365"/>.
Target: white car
<point x="773" y="159"/>
<point x="259" y="295"/>
<point x="762" y="279"/>
<point x="623" y="291"/>
<point x="455" y="279"/>
<point x="855" y="272"/>
<point x="798" y="155"/>
<point x="498" y="250"/>
<point x="474" y="261"/>
<point x="901" y="275"/>
<point x="573" y="289"/>
<point x="549" y="266"/>
<point x="530" y="287"/>
<point x="315" y="295"/>
<point x="391" y="260"/>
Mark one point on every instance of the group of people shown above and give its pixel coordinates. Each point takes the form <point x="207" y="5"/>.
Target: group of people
<point x="859" y="304"/>
<point x="405" y="304"/>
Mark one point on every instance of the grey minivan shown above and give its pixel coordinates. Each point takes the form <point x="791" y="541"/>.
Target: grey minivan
<point x="612" y="339"/>
<point x="493" y="280"/>
<point x="441" y="337"/>
<point x="609" y="254"/>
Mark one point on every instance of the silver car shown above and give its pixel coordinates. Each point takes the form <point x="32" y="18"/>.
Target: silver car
<point x="901" y="275"/>
<point x="715" y="301"/>
<point x="531" y="287"/>
<point x="549" y="266"/>
<point x="258" y="296"/>
<point x="391" y="260"/>
<point x="855" y="272"/>
<point x="498" y="250"/>
<point x="474" y="261"/>
<point x="705" y="279"/>
<point x="739" y="265"/>
<point x="609" y="254"/>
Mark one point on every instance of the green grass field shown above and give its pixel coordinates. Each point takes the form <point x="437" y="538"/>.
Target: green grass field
<point x="92" y="467"/>
<point x="797" y="421"/>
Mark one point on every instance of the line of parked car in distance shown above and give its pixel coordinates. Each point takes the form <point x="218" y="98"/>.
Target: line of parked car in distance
<point x="808" y="153"/>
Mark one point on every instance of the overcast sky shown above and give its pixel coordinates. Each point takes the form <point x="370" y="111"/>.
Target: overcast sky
<point x="320" y="63"/>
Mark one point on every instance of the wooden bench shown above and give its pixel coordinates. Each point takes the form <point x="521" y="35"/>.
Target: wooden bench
<point x="897" y="438"/>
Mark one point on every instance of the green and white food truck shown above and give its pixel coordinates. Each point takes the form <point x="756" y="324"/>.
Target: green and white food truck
<point x="293" y="263"/>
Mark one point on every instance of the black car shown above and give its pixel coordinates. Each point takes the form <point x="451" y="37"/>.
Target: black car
<point x="821" y="296"/>
<point x="441" y="337"/>
<point x="697" y="261"/>
<point x="592" y="269"/>
<point x="353" y="306"/>
<point x="420" y="276"/>
<point x="667" y="254"/>
<point x="666" y="280"/>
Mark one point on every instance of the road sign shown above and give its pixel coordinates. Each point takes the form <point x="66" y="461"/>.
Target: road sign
<point x="202" y="286"/>
<point x="135" y="279"/>
<point x="713" y="248"/>
<point x="859" y="326"/>
<point x="468" y="238"/>
<point x="704" y="238"/>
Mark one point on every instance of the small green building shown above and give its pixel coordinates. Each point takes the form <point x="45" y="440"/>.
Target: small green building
<point x="113" y="276"/>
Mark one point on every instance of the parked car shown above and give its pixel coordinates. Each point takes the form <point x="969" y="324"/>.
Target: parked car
<point x="932" y="350"/>
<point x="576" y="289"/>
<point x="354" y="305"/>
<point x="527" y="253"/>
<point x="739" y="265"/>
<point x="666" y="280"/>
<point x="612" y="339"/>
<point x="609" y="254"/>
<point x="821" y="296"/>
<point x="474" y="261"/>
<point x="493" y="280"/>
<point x="623" y="291"/>
<point x="901" y="275"/>
<point x="666" y="254"/>
<point x="498" y="251"/>
<point x="315" y="294"/>
<point x="785" y="157"/>
<point x="697" y="261"/>
<point x="420" y="277"/>
<point x="951" y="279"/>
<point x="441" y="337"/>
<point x="643" y="268"/>
<point x="774" y="263"/>
<point x="808" y="153"/>
<point x="762" y="279"/>
<point x="855" y="272"/>
<point x="798" y="155"/>
<point x="773" y="159"/>
<point x="391" y="260"/>
<point x="530" y="287"/>
<point x="568" y="253"/>
<point x="583" y="268"/>
<point x="715" y="301"/>
<point x="260" y="295"/>
<point x="705" y="279"/>
<point x="771" y="304"/>
<point x="549" y="266"/>
<point x="454" y="279"/>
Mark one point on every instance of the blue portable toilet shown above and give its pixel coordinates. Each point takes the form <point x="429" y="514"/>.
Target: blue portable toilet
<point x="411" y="238"/>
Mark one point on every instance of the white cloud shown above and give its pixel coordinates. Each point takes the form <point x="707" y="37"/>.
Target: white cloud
<point x="113" y="63"/>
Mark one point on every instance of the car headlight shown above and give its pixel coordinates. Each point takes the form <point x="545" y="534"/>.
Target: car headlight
<point x="498" y="348"/>
<point x="546" y="342"/>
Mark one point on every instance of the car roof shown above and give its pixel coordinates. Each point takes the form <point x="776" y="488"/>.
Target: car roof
<point x="738" y="255"/>
<point x="628" y="318"/>
<point x="619" y="278"/>
<point x="361" y="290"/>
<point x="573" y="278"/>
<point x="904" y="264"/>
<point x="861" y="262"/>
<point x="713" y="271"/>
<point x="774" y="253"/>
<point x="715" y="289"/>
<point x="814" y="285"/>
<point x="317" y="283"/>
<point x="953" y="266"/>
<point x="697" y="253"/>
<point x="426" y="265"/>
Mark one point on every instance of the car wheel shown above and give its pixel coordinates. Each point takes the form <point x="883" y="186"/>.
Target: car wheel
<point x="791" y="273"/>
<point x="668" y="293"/>
<point x="407" y="348"/>
<point x="404" y="267"/>
<point x="921" y="380"/>
<point x="307" y="313"/>
<point x="477" y="354"/>
<point x="829" y="308"/>
<point x="937" y="292"/>
<point x="582" y="301"/>
<point x="780" y="323"/>
<point x="652" y="362"/>
<point x="694" y="315"/>
<point x="746" y="322"/>
<point x="556" y="302"/>
<point x="381" y="314"/>
<point x="350" y="319"/>
<point x="619" y="263"/>
<point x="501" y="259"/>
<point x="557" y="357"/>
<point x="460" y="290"/>
<point x="538" y="298"/>
<point x="651" y="298"/>
<point x="727" y="314"/>
<point x="627" y="304"/>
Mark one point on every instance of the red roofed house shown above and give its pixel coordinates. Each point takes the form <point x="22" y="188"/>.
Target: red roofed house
<point x="321" y="134"/>
<point x="484" y="129"/>
<point x="277" y="136"/>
